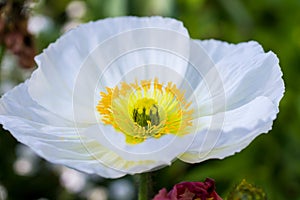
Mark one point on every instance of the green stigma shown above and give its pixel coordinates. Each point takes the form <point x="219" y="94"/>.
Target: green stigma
<point x="146" y="113"/>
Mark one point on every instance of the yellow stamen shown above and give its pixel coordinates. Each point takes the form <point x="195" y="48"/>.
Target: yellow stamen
<point x="146" y="109"/>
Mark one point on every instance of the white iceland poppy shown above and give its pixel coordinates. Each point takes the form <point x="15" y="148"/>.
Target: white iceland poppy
<point x="128" y="95"/>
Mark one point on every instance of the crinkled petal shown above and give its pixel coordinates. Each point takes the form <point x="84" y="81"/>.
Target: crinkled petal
<point x="72" y="67"/>
<point x="244" y="104"/>
<point x="50" y="136"/>
<point x="59" y="141"/>
<point x="226" y="133"/>
<point x="246" y="72"/>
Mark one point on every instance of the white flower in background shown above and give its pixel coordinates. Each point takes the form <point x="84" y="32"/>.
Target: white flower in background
<point x="128" y="95"/>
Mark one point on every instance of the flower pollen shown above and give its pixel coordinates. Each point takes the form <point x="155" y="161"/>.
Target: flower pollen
<point x="145" y="109"/>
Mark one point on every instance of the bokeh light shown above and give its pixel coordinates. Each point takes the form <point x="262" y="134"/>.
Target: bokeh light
<point x="72" y="180"/>
<point x="3" y="192"/>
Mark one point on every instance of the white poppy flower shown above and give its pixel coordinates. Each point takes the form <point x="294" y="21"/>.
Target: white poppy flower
<point x="128" y="95"/>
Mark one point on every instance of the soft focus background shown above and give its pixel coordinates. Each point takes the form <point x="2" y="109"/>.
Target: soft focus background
<point x="271" y="162"/>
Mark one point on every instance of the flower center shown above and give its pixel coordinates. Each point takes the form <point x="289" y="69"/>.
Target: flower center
<point x="145" y="110"/>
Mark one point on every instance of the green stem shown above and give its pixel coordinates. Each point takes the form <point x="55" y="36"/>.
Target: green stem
<point x="144" y="184"/>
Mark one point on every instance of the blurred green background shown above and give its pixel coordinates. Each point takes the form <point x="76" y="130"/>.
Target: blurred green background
<point x="272" y="161"/>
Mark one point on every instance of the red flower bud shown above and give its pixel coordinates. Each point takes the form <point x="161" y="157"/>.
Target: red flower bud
<point x="190" y="191"/>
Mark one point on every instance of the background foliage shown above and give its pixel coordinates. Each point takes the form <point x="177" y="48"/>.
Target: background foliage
<point x="272" y="161"/>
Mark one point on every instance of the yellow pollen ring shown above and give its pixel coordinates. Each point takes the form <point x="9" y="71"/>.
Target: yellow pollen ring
<point x="144" y="110"/>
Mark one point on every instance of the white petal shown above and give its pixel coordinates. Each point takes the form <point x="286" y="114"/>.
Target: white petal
<point x="17" y="103"/>
<point x="218" y="50"/>
<point x="238" y="99"/>
<point x="52" y="137"/>
<point x="246" y="72"/>
<point x="148" y="155"/>
<point x="230" y="132"/>
<point x="72" y="67"/>
<point x="60" y="141"/>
